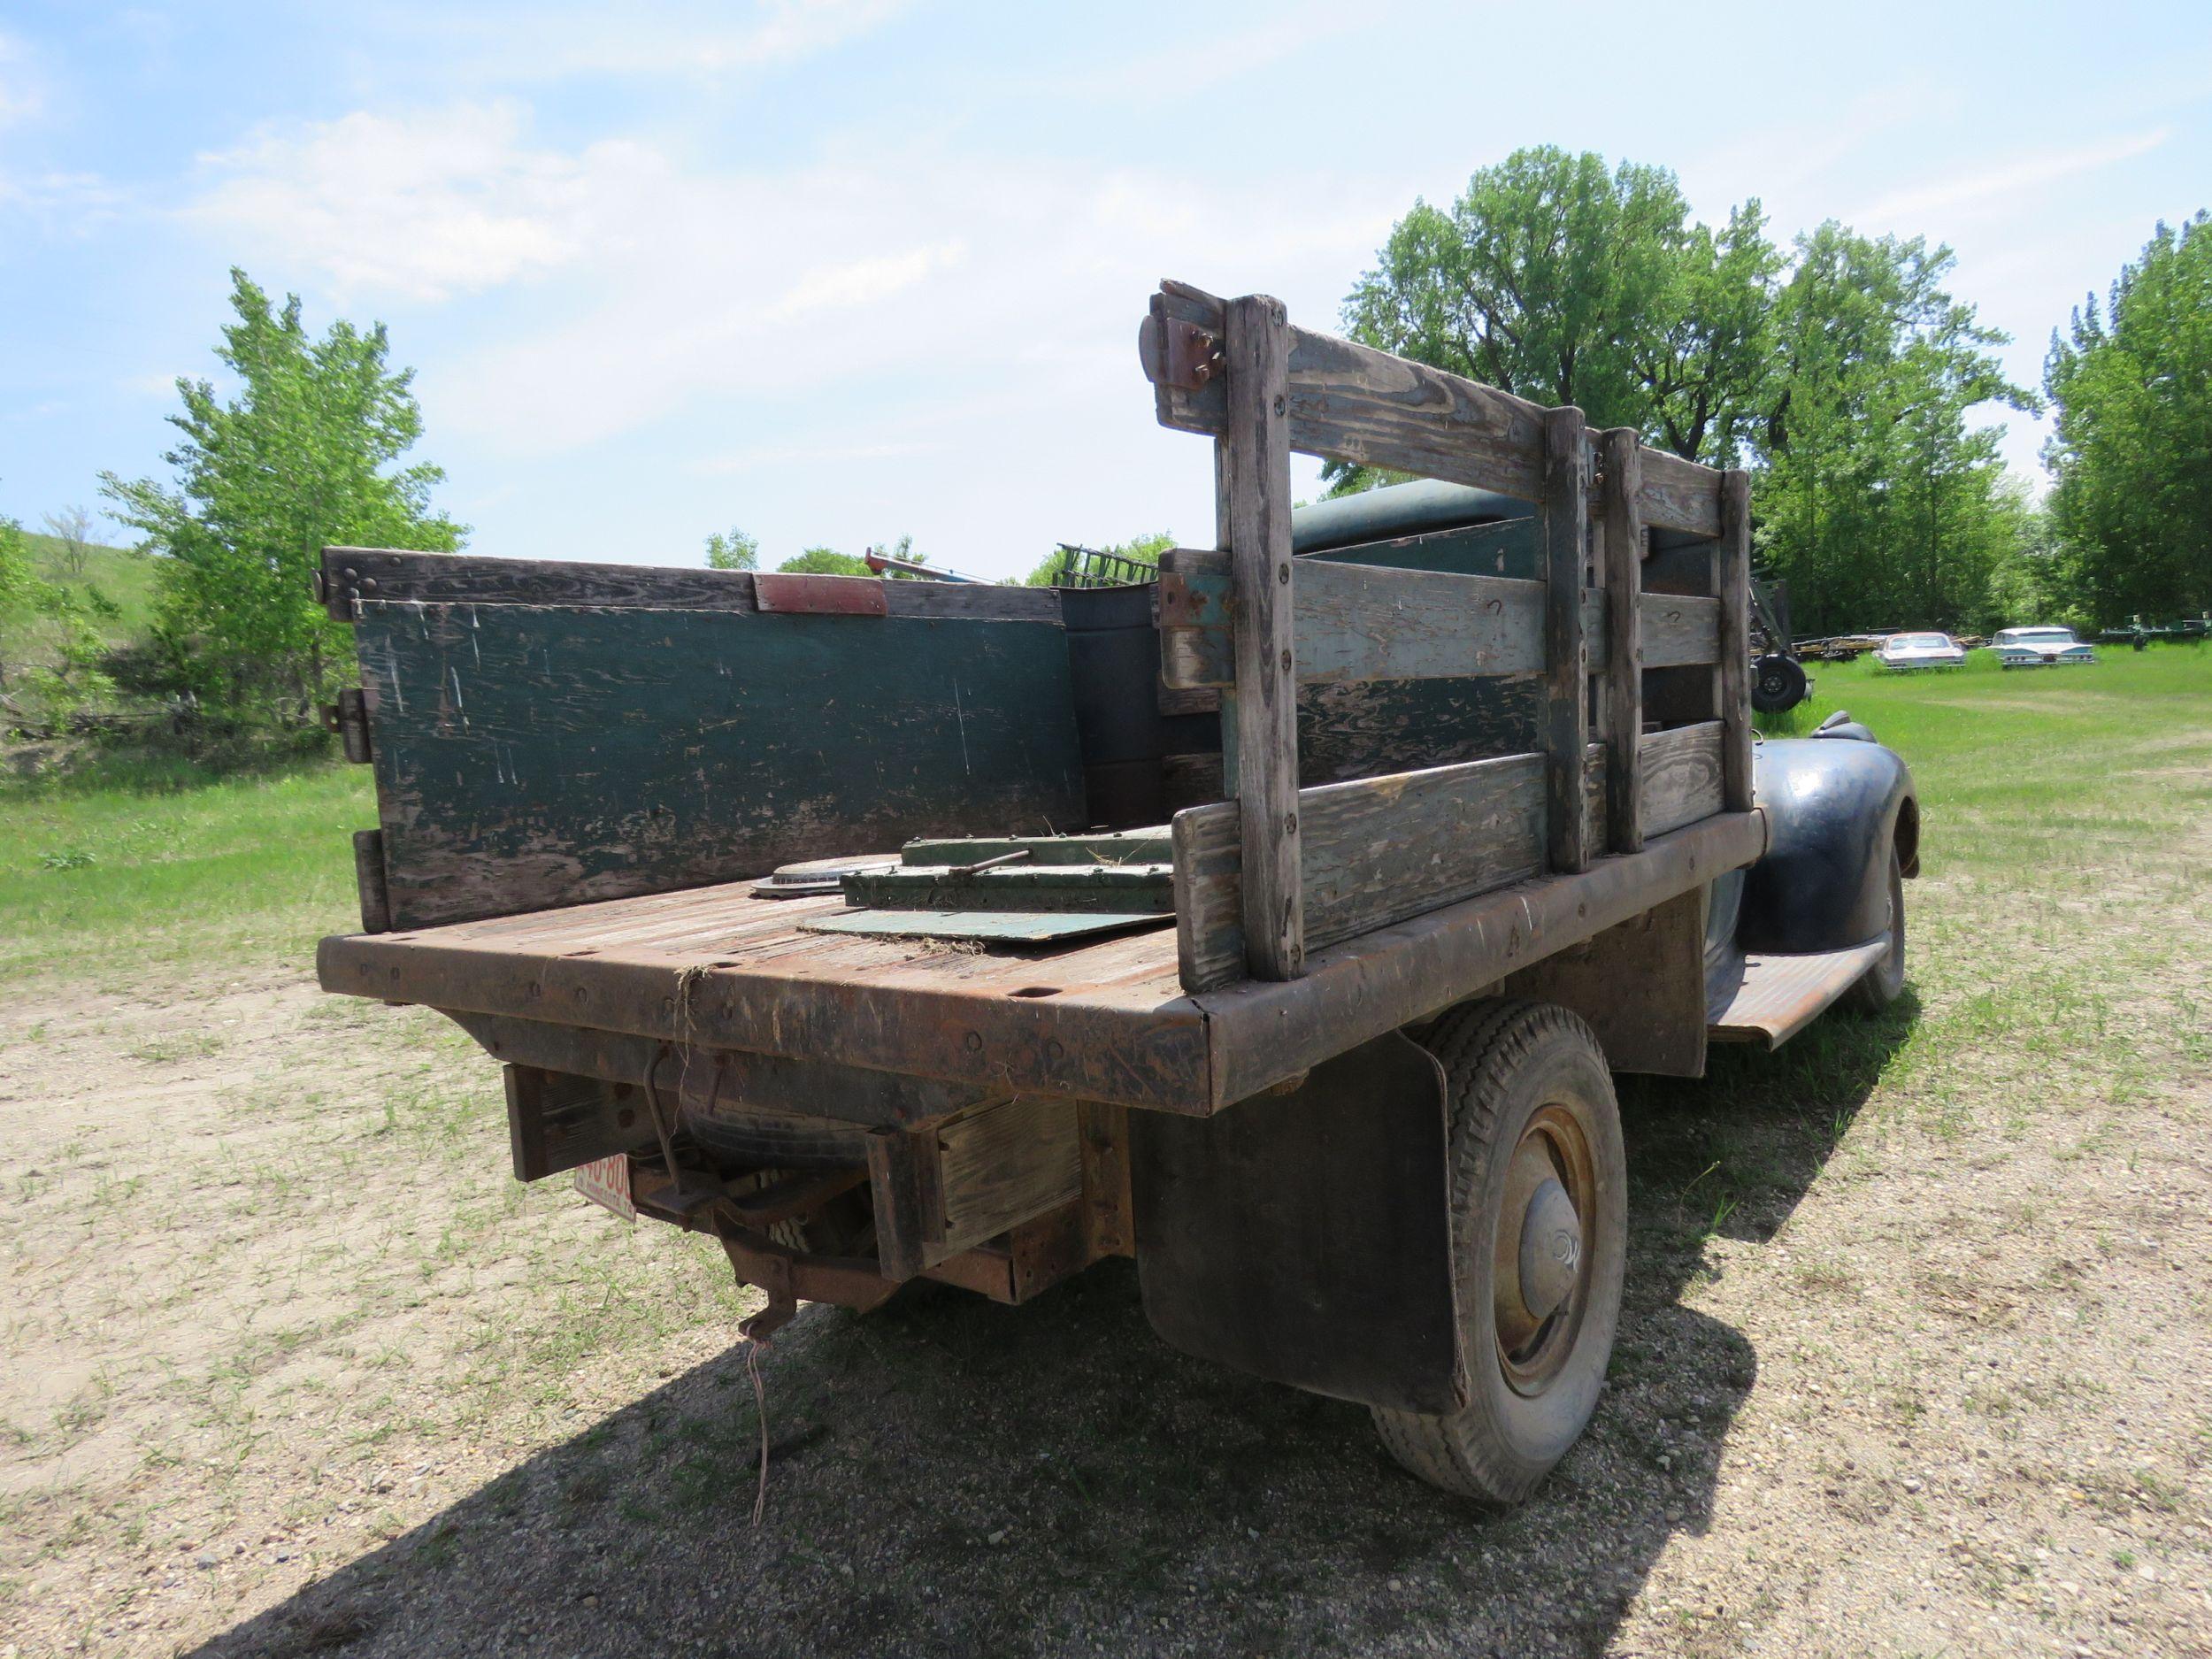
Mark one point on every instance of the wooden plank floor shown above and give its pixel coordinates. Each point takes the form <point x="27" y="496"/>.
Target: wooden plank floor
<point x="1102" y="1020"/>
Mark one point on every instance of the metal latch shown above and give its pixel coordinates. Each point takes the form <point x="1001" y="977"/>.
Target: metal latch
<point x="348" y="718"/>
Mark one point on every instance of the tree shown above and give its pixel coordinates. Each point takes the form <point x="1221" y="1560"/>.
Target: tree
<point x="305" y="455"/>
<point x="824" y="561"/>
<point x="19" y="584"/>
<point x="72" y="528"/>
<point x="1561" y="282"/>
<point x="1878" y="500"/>
<point x="732" y="550"/>
<point x="1843" y="373"/>
<point x="2131" y="504"/>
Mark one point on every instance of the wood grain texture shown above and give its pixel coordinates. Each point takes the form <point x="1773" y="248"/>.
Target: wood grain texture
<point x="1620" y="466"/>
<point x="1504" y="548"/>
<point x="1376" y="850"/>
<point x="1107" y="1220"/>
<point x="1678" y="495"/>
<point x="1733" y="583"/>
<point x="368" y="879"/>
<point x="391" y="576"/>
<point x="1257" y="345"/>
<point x="1682" y="777"/>
<point x="999" y="1165"/>
<point x="557" y="1122"/>
<point x="1384" y="725"/>
<point x="529" y="756"/>
<point x="1352" y="403"/>
<point x="1359" y="622"/>
<point x="1562" y="520"/>
<point x="1262" y="1033"/>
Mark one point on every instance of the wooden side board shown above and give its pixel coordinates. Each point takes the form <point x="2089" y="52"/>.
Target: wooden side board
<point x="1352" y="403"/>
<point x="1376" y="850"/>
<point x="529" y="756"/>
<point x="1682" y="776"/>
<point x="353" y="575"/>
<point x="1359" y="622"/>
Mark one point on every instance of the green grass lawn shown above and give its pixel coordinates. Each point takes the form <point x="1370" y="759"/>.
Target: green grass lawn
<point x="156" y="865"/>
<point x="2037" y="770"/>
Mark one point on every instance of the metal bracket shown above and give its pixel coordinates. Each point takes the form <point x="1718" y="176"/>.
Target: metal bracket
<point x="1193" y="356"/>
<point x="348" y="718"/>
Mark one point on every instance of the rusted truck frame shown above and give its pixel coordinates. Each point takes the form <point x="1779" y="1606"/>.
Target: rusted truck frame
<point x="1480" y="821"/>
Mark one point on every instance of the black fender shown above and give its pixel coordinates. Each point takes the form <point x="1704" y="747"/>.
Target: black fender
<point x="1834" y="808"/>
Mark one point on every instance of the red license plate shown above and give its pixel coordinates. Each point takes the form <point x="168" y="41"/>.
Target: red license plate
<point x="607" y="1181"/>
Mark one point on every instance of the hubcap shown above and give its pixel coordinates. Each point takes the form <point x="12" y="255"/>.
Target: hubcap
<point x="1540" y="1264"/>
<point x="1551" y="1250"/>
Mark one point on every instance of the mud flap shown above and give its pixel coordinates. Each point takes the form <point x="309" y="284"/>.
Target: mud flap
<point x="1306" y="1238"/>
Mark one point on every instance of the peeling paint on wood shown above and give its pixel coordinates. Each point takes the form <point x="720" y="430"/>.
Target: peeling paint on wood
<point x="529" y="756"/>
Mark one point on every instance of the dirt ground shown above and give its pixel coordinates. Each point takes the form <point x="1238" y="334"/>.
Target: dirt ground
<point x="1913" y="1363"/>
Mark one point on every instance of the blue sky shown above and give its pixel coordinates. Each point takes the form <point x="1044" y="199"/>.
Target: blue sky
<point x="835" y="271"/>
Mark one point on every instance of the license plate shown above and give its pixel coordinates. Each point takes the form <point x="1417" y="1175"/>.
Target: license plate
<point x="606" y="1181"/>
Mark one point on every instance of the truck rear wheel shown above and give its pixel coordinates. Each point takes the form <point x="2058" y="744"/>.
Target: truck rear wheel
<point x="1540" y="1227"/>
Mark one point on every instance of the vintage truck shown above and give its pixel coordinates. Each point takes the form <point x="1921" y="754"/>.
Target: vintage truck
<point x="1279" y="923"/>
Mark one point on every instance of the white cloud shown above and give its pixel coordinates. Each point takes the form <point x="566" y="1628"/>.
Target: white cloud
<point x="864" y="281"/>
<point x="424" y="205"/>
<point x="2000" y="188"/>
<point x="670" y="285"/>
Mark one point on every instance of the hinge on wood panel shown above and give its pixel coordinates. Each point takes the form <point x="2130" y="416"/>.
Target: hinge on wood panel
<point x="349" y="717"/>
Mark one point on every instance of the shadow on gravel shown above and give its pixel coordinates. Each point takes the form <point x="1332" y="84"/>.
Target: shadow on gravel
<point x="953" y="1477"/>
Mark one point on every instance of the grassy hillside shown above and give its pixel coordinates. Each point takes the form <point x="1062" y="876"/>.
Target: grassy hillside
<point x="120" y="575"/>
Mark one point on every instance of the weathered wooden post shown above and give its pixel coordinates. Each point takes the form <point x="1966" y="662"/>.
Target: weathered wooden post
<point x="1561" y="532"/>
<point x="1621" y="469"/>
<point x="1253" y="492"/>
<point x="1733" y="564"/>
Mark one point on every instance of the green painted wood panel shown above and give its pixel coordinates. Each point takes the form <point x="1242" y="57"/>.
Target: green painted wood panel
<point x="529" y="756"/>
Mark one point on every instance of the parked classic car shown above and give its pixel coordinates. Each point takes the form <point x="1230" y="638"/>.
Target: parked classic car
<point x="1921" y="651"/>
<point x="2038" y="648"/>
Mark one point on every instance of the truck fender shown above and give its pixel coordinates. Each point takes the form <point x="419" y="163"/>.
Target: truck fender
<point x="1834" y="808"/>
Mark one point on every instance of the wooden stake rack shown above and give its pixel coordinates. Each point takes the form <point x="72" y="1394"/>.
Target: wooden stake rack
<point x="1278" y="869"/>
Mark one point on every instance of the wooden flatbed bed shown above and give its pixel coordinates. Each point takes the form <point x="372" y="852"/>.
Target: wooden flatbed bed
<point x="1107" y="1020"/>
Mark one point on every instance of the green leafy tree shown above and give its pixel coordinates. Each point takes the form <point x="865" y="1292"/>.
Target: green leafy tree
<point x="824" y="561"/>
<point x="732" y="550"/>
<point x="1843" y="373"/>
<point x="1879" y="500"/>
<point x="2130" y="451"/>
<point x="18" y="587"/>
<point x="307" y="454"/>
<point x="1559" y="280"/>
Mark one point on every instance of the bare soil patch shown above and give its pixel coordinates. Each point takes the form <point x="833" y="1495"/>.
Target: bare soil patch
<point x="1912" y="1363"/>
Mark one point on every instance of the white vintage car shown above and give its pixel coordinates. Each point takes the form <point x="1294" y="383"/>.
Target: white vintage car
<point x="2039" y="648"/>
<point x="1921" y="651"/>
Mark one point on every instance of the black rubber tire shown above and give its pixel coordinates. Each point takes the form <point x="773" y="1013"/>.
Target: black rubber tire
<point x="1503" y="1060"/>
<point x="1882" y="983"/>
<point x="783" y="1140"/>
<point x="1778" y="682"/>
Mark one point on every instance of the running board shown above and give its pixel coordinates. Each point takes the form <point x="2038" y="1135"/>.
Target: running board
<point x="1773" y="998"/>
